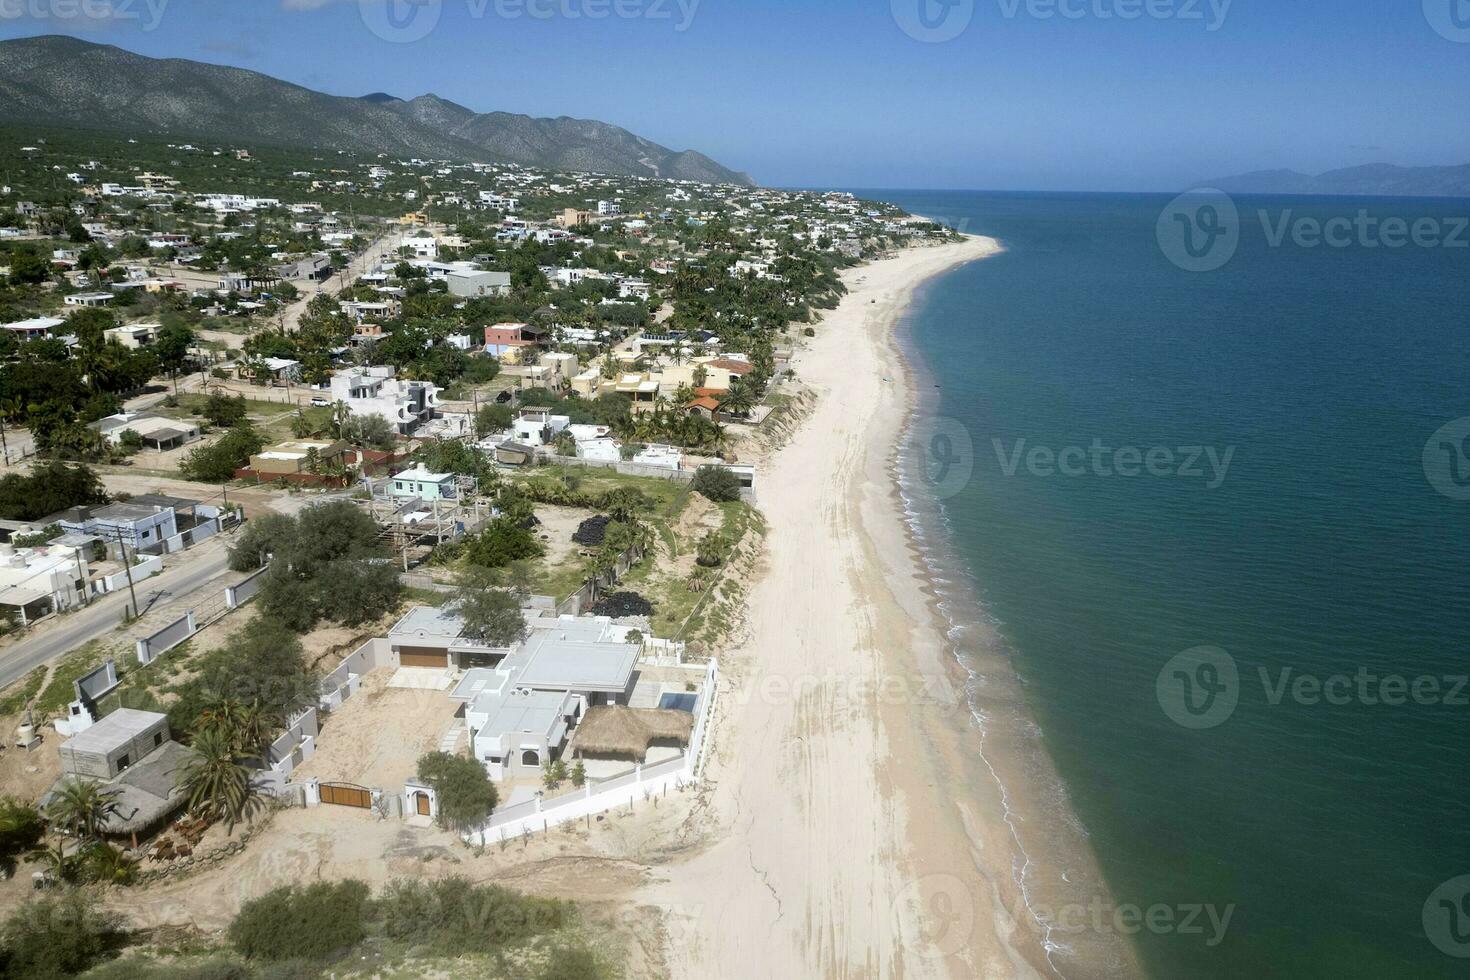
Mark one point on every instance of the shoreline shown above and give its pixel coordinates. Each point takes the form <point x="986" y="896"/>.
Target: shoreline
<point x="848" y="828"/>
<point x="1054" y="872"/>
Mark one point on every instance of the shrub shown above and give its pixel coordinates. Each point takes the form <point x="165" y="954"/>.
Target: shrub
<point x="57" y="936"/>
<point x="314" y="922"/>
<point x="572" y="963"/>
<point x="502" y="542"/>
<point x="717" y="483"/>
<point x="451" y="916"/>
<point x="20" y="828"/>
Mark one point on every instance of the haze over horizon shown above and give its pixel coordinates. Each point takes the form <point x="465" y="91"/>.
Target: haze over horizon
<point x="1019" y="97"/>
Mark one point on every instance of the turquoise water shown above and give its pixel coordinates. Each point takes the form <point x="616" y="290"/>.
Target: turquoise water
<point x="1320" y="374"/>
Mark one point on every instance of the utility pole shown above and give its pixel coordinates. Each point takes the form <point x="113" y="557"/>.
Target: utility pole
<point x="117" y="534"/>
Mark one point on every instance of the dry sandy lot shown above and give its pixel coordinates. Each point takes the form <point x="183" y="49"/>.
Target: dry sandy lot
<point x="376" y="738"/>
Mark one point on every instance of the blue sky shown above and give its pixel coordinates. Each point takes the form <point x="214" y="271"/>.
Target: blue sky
<point x="821" y="92"/>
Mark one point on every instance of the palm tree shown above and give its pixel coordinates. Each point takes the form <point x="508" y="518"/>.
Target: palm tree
<point x="253" y="729"/>
<point x="11" y="409"/>
<point x="53" y="857"/>
<point x="81" y="808"/>
<point x="215" y="784"/>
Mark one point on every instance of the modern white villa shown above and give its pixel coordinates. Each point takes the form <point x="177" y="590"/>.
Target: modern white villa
<point x="523" y="703"/>
<point x="378" y="391"/>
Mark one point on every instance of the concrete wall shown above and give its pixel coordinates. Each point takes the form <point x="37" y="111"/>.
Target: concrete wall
<point x="144" y="569"/>
<point x="244" y="591"/>
<point x="342" y="682"/>
<point x="165" y="639"/>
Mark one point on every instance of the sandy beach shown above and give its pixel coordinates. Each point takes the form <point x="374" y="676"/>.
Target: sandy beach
<point x="850" y="837"/>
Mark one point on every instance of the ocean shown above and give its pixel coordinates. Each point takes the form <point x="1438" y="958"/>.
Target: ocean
<point x="1204" y="469"/>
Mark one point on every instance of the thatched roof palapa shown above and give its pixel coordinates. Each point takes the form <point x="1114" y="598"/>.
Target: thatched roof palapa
<point x="608" y="730"/>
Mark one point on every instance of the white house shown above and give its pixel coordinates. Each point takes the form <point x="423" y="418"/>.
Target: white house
<point x="474" y="283"/>
<point x="377" y="391"/>
<point x="32" y="329"/>
<point x="521" y="712"/>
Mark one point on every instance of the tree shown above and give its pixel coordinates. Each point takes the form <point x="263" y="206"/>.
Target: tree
<point x="372" y="431"/>
<point x="491" y="614"/>
<point x="329" y="563"/>
<point x="224" y="411"/>
<point x="50" y="487"/>
<point x="493" y="418"/>
<point x="215" y="784"/>
<point x="246" y="725"/>
<point x="717" y="483"/>
<point x="465" y="794"/>
<point x="27" y="267"/>
<point x="217" y="462"/>
<point x="259" y="539"/>
<point x="171" y="347"/>
<point x="553" y="773"/>
<point x="82" y="807"/>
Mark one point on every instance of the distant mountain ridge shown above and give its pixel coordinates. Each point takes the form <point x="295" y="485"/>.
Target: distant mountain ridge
<point x="1370" y="180"/>
<point x="63" y="81"/>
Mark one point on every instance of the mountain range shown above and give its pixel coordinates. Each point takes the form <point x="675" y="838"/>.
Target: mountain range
<point x="1372" y="180"/>
<point x="63" y="81"/>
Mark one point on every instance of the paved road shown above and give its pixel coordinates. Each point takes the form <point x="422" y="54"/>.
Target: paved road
<point x="105" y="613"/>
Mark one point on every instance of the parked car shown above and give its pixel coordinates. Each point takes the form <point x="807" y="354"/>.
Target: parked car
<point x="318" y="401"/>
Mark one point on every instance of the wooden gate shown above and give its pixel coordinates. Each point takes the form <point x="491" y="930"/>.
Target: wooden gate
<point x="345" y="794"/>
